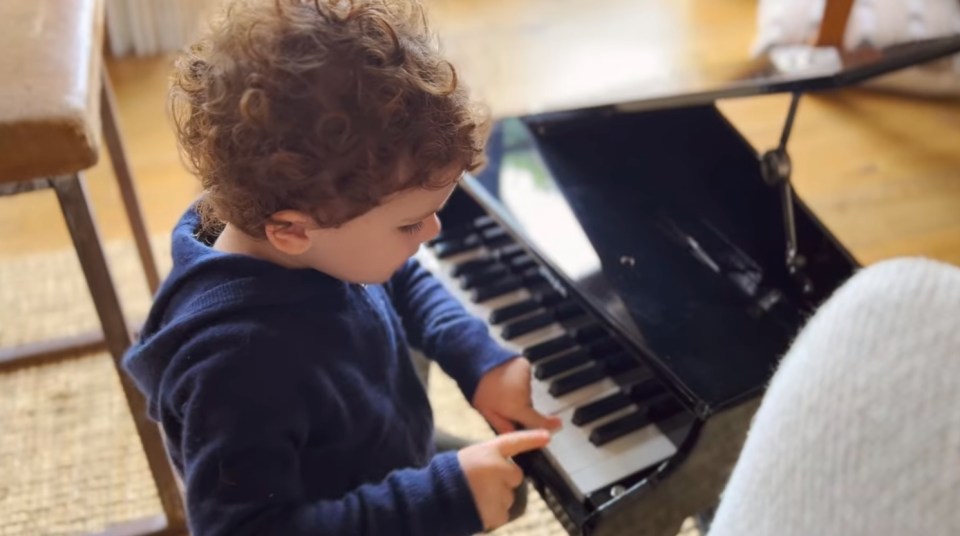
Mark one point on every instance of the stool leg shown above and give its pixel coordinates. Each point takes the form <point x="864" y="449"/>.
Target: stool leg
<point x="118" y="158"/>
<point x="86" y="240"/>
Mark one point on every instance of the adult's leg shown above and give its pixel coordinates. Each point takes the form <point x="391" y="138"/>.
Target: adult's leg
<point x="859" y="431"/>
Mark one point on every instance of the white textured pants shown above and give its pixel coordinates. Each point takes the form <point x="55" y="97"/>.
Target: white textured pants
<point x="859" y="431"/>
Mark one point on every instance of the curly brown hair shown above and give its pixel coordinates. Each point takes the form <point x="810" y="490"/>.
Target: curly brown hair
<point x="311" y="105"/>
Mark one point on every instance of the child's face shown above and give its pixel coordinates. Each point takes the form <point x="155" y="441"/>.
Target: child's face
<point x="371" y="247"/>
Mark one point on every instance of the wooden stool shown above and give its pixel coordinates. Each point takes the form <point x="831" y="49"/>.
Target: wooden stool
<point x="54" y="100"/>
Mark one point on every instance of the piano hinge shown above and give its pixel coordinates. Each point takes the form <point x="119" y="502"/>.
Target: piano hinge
<point x="776" y="168"/>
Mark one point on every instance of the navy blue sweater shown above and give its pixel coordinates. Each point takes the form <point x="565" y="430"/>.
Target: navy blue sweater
<point x="289" y="400"/>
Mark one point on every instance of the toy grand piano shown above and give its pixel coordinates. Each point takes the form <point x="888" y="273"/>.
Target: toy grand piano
<point x="654" y="267"/>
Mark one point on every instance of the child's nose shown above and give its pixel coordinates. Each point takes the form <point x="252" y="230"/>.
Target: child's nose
<point x="432" y="228"/>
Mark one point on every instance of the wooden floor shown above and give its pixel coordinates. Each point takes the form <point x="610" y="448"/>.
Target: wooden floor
<point x="882" y="171"/>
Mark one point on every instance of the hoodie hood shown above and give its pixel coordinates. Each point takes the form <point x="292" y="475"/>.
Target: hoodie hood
<point x="207" y="287"/>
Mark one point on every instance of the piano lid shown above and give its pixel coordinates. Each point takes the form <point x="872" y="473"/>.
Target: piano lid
<point x="663" y="224"/>
<point x="784" y="69"/>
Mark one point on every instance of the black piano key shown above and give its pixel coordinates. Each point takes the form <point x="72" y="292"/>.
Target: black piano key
<point x="576" y="380"/>
<point x="507" y="252"/>
<point x="548" y="348"/>
<point x="522" y="262"/>
<point x="499" y="288"/>
<point x="493" y="233"/>
<point x="449" y="248"/>
<point x="646" y="389"/>
<point x="599" y="408"/>
<point x="566" y="310"/>
<point x="482" y="222"/>
<point x="459" y="231"/>
<point x="447" y="234"/>
<point x="496" y="237"/>
<point x="604" y="351"/>
<point x="548" y="296"/>
<point x="602" y="347"/>
<point x="619" y="363"/>
<point x="588" y="332"/>
<point x="532" y="277"/>
<point x="473" y="265"/>
<point x="497" y="256"/>
<point x="481" y="277"/>
<point x="631" y="422"/>
<point x="514" y="310"/>
<point x="526" y="325"/>
<point x="663" y="407"/>
<point x="561" y="364"/>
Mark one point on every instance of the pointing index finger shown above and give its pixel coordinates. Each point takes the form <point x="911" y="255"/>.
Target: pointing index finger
<point x="522" y="441"/>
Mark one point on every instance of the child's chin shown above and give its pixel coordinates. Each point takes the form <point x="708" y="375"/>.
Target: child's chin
<point x="375" y="280"/>
<point x="381" y="278"/>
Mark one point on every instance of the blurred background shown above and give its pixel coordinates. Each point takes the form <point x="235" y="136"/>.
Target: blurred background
<point x="880" y="166"/>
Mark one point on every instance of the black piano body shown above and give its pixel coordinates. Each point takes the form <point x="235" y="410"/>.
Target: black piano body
<point x="655" y="221"/>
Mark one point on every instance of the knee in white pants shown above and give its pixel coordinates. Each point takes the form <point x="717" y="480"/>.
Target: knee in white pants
<point x="859" y="431"/>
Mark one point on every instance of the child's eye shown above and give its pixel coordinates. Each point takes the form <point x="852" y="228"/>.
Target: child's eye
<point x="412" y="229"/>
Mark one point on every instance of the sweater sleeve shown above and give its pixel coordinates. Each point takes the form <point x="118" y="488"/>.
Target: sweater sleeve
<point x="438" y="325"/>
<point x="244" y="429"/>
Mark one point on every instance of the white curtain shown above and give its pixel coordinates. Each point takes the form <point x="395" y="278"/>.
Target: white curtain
<point x="151" y="27"/>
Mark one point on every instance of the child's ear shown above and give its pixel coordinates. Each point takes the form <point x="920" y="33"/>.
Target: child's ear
<point x="287" y="231"/>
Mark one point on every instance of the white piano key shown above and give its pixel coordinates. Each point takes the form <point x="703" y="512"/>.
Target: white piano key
<point x="465" y="256"/>
<point x="569" y="442"/>
<point x="588" y="468"/>
<point x="619" y="458"/>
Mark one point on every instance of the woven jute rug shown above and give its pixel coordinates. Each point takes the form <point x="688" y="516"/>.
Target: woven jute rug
<point x="70" y="459"/>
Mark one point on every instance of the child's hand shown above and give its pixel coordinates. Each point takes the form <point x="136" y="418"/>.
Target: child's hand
<point x="503" y="398"/>
<point x="492" y="476"/>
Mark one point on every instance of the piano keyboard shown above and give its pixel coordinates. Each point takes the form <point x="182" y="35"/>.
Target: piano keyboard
<point x="613" y="409"/>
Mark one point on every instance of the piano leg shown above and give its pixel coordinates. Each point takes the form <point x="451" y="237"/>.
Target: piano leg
<point x="693" y="487"/>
